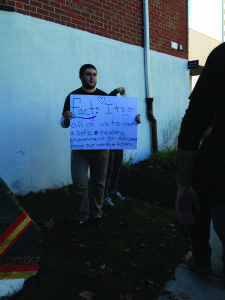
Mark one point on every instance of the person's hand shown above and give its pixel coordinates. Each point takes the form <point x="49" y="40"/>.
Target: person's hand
<point x="187" y="204"/>
<point x="138" y="119"/>
<point x="67" y="116"/>
<point x="121" y="90"/>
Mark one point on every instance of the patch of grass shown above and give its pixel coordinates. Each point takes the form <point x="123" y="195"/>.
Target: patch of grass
<point x="165" y="159"/>
<point x="153" y="180"/>
<point x="130" y="256"/>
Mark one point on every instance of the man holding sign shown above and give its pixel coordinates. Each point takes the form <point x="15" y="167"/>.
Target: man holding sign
<point x="83" y="157"/>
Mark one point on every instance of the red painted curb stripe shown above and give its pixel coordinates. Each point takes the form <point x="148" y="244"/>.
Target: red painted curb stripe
<point x="16" y="238"/>
<point x="19" y="268"/>
<point x="13" y="226"/>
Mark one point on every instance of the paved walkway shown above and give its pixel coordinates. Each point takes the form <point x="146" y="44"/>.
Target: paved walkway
<point x="188" y="285"/>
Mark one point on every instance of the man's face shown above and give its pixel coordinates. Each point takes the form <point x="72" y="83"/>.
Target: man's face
<point x="89" y="78"/>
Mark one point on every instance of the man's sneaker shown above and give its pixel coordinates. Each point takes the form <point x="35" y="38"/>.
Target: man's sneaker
<point x="117" y="195"/>
<point x="77" y="223"/>
<point x="108" y="201"/>
<point x="202" y="271"/>
<point x="82" y="222"/>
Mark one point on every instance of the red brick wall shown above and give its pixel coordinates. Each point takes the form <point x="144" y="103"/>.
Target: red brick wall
<point x="116" y="19"/>
<point x="168" y="22"/>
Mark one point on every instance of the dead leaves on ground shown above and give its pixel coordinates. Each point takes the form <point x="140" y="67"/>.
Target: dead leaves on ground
<point x="184" y="295"/>
<point x="98" y="269"/>
<point x="172" y="296"/>
<point x="49" y="224"/>
<point x="85" y="295"/>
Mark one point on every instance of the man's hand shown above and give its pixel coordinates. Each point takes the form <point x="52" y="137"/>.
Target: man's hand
<point x="67" y="116"/>
<point x="121" y="90"/>
<point x="187" y="204"/>
<point x="138" y="119"/>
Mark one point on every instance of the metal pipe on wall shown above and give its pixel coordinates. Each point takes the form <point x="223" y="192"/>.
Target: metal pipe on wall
<point x="7" y="7"/>
<point x="222" y="20"/>
<point x="148" y="91"/>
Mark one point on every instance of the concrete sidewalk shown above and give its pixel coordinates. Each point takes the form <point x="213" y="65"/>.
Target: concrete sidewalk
<point x="188" y="285"/>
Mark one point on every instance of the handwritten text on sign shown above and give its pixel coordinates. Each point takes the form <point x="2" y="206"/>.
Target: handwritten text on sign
<point x="103" y="122"/>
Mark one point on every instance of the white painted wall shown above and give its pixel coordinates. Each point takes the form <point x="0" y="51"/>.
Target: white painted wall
<point x="171" y="87"/>
<point x="39" y="66"/>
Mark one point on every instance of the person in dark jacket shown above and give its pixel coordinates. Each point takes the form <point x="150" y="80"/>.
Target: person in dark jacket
<point x="201" y="172"/>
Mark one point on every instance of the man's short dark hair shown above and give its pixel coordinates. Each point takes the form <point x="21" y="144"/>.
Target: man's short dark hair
<point x="84" y="67"/>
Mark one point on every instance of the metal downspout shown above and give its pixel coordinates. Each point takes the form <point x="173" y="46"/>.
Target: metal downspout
<point x="222" y="20"/>
<point x="7" y="7"/>
<point x="149" y="99"/>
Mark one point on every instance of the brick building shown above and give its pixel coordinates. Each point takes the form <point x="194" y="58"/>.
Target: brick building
<point x="114" y="19"/>
<point x="45" y="42"/>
